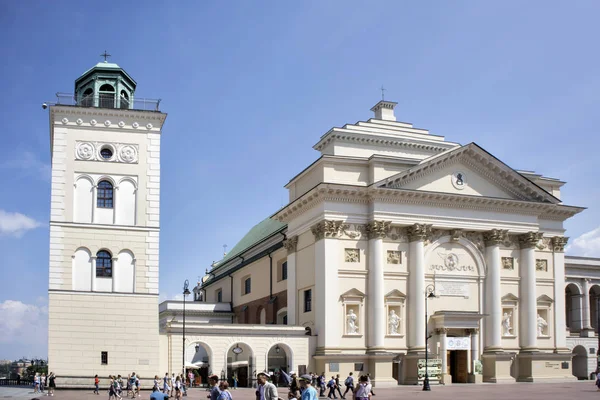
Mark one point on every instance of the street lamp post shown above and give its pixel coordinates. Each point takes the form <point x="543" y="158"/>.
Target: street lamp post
<point x="429" y="293"/>
<point x="186" y="292"/>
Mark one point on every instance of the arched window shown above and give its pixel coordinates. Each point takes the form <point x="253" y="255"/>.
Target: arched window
<point x="104" y="264"/>
<point x="105" y="195"/>
<point x="87" y="99"/>
<point x="107" y="96"/>
<point x="124" y="100"/>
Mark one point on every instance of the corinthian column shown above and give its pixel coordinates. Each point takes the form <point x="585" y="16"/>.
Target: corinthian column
<point x="492" y="296"/>
<point x="326" y="283"/>
<point x="290" y="245"/>
<point x="586" y="329"/>
<point x="417" y="234"/>
<point x="376" y="231"/>
<point x="528" y="299"/>
<point x="558" y="258"/>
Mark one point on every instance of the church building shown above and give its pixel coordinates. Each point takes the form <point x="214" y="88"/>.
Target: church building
<point x="391" y="221"/>
<point x="394" y="243"/>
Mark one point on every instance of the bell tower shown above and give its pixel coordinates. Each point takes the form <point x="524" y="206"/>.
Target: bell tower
<point x="104" y="229"/>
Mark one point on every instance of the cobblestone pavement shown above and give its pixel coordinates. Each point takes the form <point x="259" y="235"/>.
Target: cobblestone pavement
<point x="529" y="391"/>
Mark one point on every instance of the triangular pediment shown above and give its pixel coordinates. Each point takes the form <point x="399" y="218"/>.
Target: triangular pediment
<point x="468" y="170"/>
<point x="353" y="293"/>
<point x="510" y="297"/>
<point x="395" y="294"/>
<point x="544" y="299"/>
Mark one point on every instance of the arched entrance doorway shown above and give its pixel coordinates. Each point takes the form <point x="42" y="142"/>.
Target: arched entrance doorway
<point x="198" y="356"/>
<point x="580" y="362"/>
<point x="279" y="359"/>
<point x="240" y="365"/>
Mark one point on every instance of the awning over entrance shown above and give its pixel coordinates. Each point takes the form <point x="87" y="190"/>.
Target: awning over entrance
<point x="456" y="319"/>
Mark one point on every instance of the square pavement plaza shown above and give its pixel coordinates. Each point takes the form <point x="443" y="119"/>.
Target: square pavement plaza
<point x="580" y="390"/>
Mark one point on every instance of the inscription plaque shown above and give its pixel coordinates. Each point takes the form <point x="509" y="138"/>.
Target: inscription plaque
<point x="454" y="289"/>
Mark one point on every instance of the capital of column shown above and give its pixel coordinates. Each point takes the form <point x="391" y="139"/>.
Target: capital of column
<point x="378" y="229"/>
<point x="419" y="232"/>
<point x="495" y="236"/>
<point x="442" y="331"/>
<point x="559" y="243"/>
<point x="530" y="239"/>
<point x="474" y="331"/>
<point x="291" y="244"/>
<point x="326" y="229"/>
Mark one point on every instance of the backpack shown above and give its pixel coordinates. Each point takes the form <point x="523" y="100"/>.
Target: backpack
<point x="330" y="384"/>
<point x="348" y="382"/>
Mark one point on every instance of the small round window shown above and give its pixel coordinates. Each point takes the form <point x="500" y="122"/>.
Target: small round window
<point x="106" y="153"/>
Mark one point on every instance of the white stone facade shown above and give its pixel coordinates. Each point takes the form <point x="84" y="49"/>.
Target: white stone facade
<point x="107" y="323"/>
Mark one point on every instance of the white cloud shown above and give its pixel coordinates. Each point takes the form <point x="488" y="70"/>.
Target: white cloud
<point x="165" y="296"/>
<point x="22" y="323"/>
<point x="586" y="245"/>
<point x="16" y="224"/>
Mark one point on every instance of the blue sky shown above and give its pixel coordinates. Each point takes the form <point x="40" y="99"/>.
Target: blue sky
<point x="250" y="87"/>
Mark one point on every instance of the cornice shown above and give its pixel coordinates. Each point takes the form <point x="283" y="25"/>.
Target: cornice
<point x="106" y="118"/>
<point x="374" y="139"/>
<point x="366" y="195"/>
<point x="484" y="164"/>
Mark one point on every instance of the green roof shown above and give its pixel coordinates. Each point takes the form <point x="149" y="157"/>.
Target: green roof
<point x="257" y="234"/>
<point x="105" y="65"/>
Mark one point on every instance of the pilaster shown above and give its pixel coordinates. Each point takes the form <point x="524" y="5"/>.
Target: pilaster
<point x="558" y="261"/>
<point x="291" y="245"/>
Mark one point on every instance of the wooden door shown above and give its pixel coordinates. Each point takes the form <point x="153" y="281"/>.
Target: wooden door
<point x="462" y="366"/>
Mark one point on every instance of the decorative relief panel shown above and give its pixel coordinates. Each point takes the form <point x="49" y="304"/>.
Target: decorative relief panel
<point x="541" y="265"/>
<point x="394" y="257"/>
<point x="90" y="151"/>
<point x="508" y="263"/>
<point x="352" y="255"/>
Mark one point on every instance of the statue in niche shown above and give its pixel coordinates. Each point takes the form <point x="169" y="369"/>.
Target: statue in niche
<point x="351" y="325"/>
<point x="506" y="326"/>
<point x="541" y="325"/>
<point x="459" y="179"/>
<point x="394" y="323"/>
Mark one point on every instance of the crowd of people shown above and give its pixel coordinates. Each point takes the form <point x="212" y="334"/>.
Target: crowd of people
<point x="43" y="381"/>
<point x="303" y="387"/>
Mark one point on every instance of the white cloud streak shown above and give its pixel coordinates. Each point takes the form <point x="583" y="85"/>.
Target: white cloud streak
<point x="586" y="245"/>
<point x="24" y="324"/>
<point x="16" y="224"/>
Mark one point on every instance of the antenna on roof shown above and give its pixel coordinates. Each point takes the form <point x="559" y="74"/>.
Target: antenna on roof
<point x="224" y="250"/>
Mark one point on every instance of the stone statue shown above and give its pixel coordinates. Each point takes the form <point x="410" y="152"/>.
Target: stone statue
<point x="541" y="325"/>
<point x="393" y="323"/>
<point x="351" y="326"/>
<point x="506" y="328"/>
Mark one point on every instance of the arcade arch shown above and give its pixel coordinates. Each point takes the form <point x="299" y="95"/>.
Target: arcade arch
<point x="240" y="362"/>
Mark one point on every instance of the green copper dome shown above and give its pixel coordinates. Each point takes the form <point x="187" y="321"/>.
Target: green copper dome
<point x="105" y="85"/>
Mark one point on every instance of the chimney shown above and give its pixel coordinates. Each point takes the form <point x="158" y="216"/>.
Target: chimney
<point x="384" y="110"/>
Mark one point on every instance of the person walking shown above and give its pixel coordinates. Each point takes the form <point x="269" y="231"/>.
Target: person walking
<point x="308" y="391"/>
<point x="363" y="390"/>
<point x="349" y="383"/>
<point x="225" y="394"/>
<point x="337" y="386"/>
<point x="369" y="379"/>
<point x="331" y="385"/>
<point x="42" y="382"/>
<point x="322" y="384"/>
<point x="213" y="382"/>
<point x="266" y="389"/>
<point x="177" y="387"/>
<point x="51" y="384"/>
<point x="294" y="385"/>
<point x="235" y="381"/>
<point x="166" y="380"/>
<point x="36" y="383"/>
<point x="156" y="383"/>
<point x="191" y="378"/>
<point x="96" y="385"/>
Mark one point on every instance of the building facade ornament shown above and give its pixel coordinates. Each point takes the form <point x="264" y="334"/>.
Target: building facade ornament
<point x="121" y="152"/>
<point x="353" y="231"/>
<point x="456" y="234"/>
<point x="559" y="243"/>
<point x="378" y="229"/>
<point x="530" y="239"/>
<point x="477" y="239"/>
<point x="442" y="331"/>
<point x="327" y="229"/>
<point x="419" y="232"/>
<point x="495" y="237"/>
<point x="291" y="244"/>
